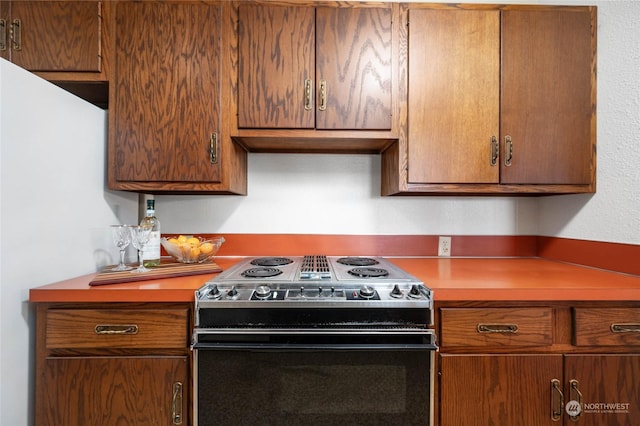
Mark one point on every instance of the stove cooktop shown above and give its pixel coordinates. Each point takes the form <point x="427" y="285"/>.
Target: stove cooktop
<point x="313" y="291"/>
<point x="312" y="268"/>
<point x="314" y="281"/>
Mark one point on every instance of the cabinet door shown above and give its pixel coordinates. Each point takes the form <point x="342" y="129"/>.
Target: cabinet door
<point x="609" y="389"/>
<point x="111" y="390"/>
<point x="167" y="100"/>
<point x="546" y="97"/>
<point x="5" y="23"/>
<point x="307" y="68"/>
<point x="454" y="69"/>
<point x="55" y="35"/>
<point x="497" y="389"/>
<point x="276" y="74"/>
<point x="353" y="54"/>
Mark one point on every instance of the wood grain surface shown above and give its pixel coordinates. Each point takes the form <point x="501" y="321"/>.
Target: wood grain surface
<point x="65" y="383"/>
<point x="167" y="92"/>
<point x="277" y="55"/>
<point x="58" y="35"/>
<point x="165" y="270"/>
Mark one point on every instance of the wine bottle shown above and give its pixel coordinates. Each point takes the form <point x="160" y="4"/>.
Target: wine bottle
<point x="151" y="254"/>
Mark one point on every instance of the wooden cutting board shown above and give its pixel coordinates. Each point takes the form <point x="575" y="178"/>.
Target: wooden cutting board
<point x="165" y="270"/>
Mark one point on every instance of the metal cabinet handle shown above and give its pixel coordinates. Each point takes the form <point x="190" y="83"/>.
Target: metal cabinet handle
<point x="322" y="106"/>
<point x="3" y="35"/>
<point x="557" y="400"/>
<point x="16" y="34"/>
<point x="625" y="328"/>
<point x="213" y="148"/>
<point x="494" y="151"/>
<point x="497" y="328"/>
<point x="176" y="404"/>
<point x="308" y="94"/>
<point x="508" y="148"/>
<point x="573" y="390"/>
<point x="116" y="329"/>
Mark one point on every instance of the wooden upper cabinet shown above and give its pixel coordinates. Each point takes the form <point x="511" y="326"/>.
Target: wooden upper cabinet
<point x="454" y="104"/>
<point x="547" y="105"/>
<point x="5" y="25"/>
<point x="499" y="100"/>
<point x="168" y="132"/>
<point x="277" y="58"/>
<point x="325" y="68"/>
<point x="52" y="35"/>
<point x="353" y="68"/>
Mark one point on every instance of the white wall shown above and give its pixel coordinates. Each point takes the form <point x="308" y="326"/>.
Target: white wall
<point x="52" y="208"/>
<point x="340" y="194"/>
<point x="613" y="213"/>
<point x="337" y="194"/>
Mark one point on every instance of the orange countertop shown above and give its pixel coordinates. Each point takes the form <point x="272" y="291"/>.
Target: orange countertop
<point x="526" y="279"/>
<point x="452" y="279"/>
<point x="179" y="289"/>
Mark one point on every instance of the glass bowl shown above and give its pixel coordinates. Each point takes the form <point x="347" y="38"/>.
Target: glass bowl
<point x="190" y="249"/>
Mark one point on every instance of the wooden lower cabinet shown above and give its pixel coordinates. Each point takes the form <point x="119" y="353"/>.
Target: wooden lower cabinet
<point x="607" y="385"/>
<point x="497" y="389"/>
<point x="519" y="363"/>
<point x="113" y="391"/>
<point x="488" y="389"/>
<point x="105" y="364"/>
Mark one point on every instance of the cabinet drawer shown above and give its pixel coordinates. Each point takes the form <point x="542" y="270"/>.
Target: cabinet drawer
<point x="607" y="326"/>
<point x="117" y="328"/>
<point x="496" y="327"/>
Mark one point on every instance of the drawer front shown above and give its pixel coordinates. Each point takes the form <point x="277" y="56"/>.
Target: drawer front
<point x="117" y="328"/>
<point x="607" y="326"/>
<point x="496" y="327"/>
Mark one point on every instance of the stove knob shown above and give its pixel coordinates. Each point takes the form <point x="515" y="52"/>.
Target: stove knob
<point x="232" y="293"/>
<point x="214" y="293"/>
<point x="367" y="292"/>
<point x="263" y="291"/>
<point x="396" y="292"/>
<point x="415" y="292"/>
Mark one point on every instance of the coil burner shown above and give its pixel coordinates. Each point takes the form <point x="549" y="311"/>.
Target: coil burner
<point x="261" y="272"/>
<point x="357" y="261"/>
<point x="369" y="272"/>
<point x="271" y="261"/>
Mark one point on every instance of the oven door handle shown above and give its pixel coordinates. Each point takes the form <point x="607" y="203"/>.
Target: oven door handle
<point x="294" y="347"/>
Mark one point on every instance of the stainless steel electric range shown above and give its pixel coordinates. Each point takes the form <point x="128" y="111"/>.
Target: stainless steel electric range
<point x="317" y="339"/>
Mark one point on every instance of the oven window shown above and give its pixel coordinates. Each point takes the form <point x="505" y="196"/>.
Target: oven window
<point x="313" y="387"/>
<point x="378" y="389"/>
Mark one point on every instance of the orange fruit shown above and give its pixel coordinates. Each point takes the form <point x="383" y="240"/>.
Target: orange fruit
<point x="206" y="248"/>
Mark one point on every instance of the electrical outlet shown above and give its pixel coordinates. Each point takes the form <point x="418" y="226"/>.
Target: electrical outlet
<point x="444" y="246"/>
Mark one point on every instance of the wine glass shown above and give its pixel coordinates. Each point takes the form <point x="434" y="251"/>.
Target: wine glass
<point x="139" y="238"/>
<point x="121" y="238"/>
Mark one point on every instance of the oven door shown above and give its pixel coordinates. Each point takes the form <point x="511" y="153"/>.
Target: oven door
<point x="313" y="377"/>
